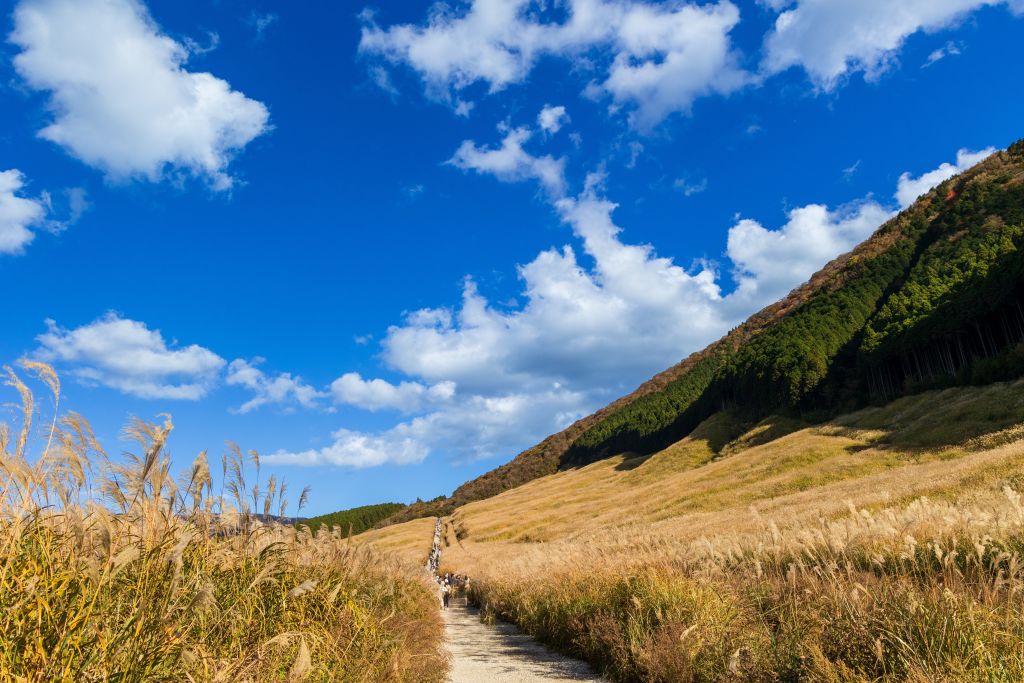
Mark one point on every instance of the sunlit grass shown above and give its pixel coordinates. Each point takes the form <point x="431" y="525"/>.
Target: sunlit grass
<point x="885" y="545"/>
<point x="115" y="570"/>
<point x="929" y="591"/>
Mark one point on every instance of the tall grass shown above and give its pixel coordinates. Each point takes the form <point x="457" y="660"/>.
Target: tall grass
<point x="929" y="591"/>
<point x="116" y="571"/>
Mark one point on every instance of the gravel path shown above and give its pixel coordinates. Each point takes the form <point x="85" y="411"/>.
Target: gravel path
<point x="501" y="654"/>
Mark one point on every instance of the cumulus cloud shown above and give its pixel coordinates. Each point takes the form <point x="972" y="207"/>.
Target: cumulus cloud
<point x="583" y="328"/>
<point x="769" y="263"/>
<point x="120" y="97"/>
<point x="669" y="58"/>
<point x="478" y="427"/>
<point x="909" y="188"/>
<point x="281" y="389"/>
<point x="379" y="394"/>
<point x="127" y="356"/>
<point x="831" y="39"/>
<point x="550" y="119"/>
<point x="655" y="58"/>
<point x="356" y="450"/>
<point x="18" y="214"/>
<point x="511" y="163"/>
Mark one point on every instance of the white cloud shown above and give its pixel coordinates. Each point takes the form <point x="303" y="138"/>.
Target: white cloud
<point x="656" y="58"/>
<point x="127" y="356"/>
<point x="909" y="188"/>
<point x="18" y="214"/>
<point x="120" y="97"/>
<point x="379" y="394"/>
<point x="669" y="58"/>
<point x="511" y="163"/>
<point x="572" y="330"/>
<point x="356" y="451"/>
<point x="478" y="427"/>
<point x="832" y="38"/>
<point x="550" y="119"/>
<point x="770" y="263"/>
<point x="281" y="389"/>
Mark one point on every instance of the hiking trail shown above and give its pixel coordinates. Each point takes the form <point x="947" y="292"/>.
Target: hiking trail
<point x="482" y="653"/>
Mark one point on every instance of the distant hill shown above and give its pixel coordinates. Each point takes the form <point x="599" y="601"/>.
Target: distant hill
<point x="355" y="520"/>
<point x="931" y="300"/>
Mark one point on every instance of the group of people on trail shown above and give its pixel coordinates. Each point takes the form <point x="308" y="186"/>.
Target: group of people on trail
<point x="449" y="583"/>
<point x="434" y="558"/>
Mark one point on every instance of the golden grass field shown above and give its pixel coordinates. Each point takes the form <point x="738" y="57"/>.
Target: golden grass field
<point x="885" y="545"/>
<point x="117" y="571"/>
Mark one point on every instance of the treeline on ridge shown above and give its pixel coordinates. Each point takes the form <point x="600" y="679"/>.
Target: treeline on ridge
<point x="355" y="520"/>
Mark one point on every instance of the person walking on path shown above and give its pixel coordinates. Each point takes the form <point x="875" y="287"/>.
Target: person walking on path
<point x="446" y="594"/>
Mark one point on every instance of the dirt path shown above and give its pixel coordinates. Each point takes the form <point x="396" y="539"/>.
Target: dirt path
<point x="501" y="654"/>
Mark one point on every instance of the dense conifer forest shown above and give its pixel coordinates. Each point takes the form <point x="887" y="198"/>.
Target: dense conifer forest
<point x="355" y="520"/>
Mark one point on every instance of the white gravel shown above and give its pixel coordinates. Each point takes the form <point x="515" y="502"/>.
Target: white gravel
<point x="501" y="654"/>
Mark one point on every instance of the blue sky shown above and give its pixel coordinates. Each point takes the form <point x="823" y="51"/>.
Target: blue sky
<point x="391" y="246"/>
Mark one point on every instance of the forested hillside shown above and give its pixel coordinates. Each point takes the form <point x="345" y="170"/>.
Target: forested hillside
<point x="355" y="520"/>
<point x="932" y="299"/>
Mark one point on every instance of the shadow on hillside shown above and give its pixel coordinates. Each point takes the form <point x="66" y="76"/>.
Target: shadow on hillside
<point x="719" y="436"/>
<point x="769" y="429"/>
<point x="974" y="418"/>
<point x="632" y="461"/>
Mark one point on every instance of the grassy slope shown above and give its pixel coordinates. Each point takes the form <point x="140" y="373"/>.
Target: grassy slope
<point x="934" y="443"/>
<point x="409" y="541"/>
<point x="767" y="548"/>
<point x="733" y="555"/>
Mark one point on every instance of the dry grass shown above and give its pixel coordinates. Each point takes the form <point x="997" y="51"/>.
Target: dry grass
<point x="115" y="571"/>
<point x="927" y="592"/>
<point x="887" y="545"/>
<point x="404" y="541"/>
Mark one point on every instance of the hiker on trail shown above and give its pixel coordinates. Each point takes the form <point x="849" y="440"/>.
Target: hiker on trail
<point x="446" y="594"/>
